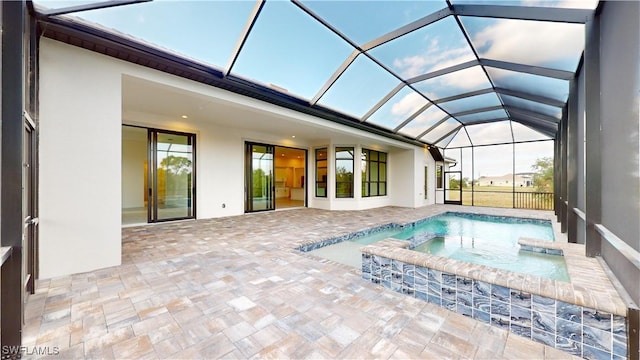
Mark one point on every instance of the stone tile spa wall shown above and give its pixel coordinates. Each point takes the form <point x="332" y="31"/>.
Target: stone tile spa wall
<point x="578" y="330"/>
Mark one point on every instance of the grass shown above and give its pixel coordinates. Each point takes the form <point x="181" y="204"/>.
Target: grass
<point x="495" y="196"/>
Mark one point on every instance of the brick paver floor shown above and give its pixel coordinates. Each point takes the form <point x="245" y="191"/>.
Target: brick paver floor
<point x="236" y="287"/>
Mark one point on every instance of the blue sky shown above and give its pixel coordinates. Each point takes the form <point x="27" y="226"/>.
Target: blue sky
<point x="290" y="50"/>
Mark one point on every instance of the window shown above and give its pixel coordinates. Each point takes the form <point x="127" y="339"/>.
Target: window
<point x="374" y="173"/>
<point x="426" y="182"/>
<point x="321" y="172"/>
<point x="438" y="176"/>
<point x="344" y="172"/>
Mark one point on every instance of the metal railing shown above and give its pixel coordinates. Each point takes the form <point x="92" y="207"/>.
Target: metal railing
<point x="505" y="199"/>
<point x="533" y="200"/>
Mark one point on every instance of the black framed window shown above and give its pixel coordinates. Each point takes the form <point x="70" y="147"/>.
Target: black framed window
<point x="426" y="182"/>
<point x="344" y="172"/>
<point x="438" y="176"/>
<point x="321" y="172"/>
<point x="374" y="173"/>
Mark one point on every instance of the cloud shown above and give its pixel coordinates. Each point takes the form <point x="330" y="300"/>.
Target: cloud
<point x="433" y="58"/>
<point x="469" y="79"/>
<point x="408" y="104"/>
<point x="530" y="42"/>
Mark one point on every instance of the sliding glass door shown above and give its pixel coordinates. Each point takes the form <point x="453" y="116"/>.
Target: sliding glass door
<point x="172" y="185"/>
<point x="158" y="175"/>
<point x="259" y="182"/>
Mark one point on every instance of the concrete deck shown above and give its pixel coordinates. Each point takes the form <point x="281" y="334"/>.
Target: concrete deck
<point x="236" y="288"/>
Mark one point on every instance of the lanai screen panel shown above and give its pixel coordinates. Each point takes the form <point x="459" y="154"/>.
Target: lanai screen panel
<point x="471" y="103"/>
<point x="533" y="106"/>
<point x="416" y="69"/>
<point x="424" y="121"/>
<point x="277" y="53"/>
<point x="359" y="88"/>
<point x="441" y="131"/>
<point x="546" y="44"/>
<point x="454" y="83"/>
<point x="398" y="109"/>
<point x="492" y="115"/>
<point x="556" y="89"/>
<point x="524" y="133"/>
<point x="430" y="48"/>
<point x="460" y="140"/>
<point x="174" y="26"/>
<point x="374" y="18"/>
<point x="490" y="133"/>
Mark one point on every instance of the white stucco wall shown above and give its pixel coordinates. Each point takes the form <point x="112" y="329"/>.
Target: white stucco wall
<point x="423" y="158"/>
<point x="81" y="186"/>
<point x="80" y="164"/>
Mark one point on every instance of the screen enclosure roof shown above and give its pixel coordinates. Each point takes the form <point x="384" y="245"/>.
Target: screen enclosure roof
<point x="446" y="73"/>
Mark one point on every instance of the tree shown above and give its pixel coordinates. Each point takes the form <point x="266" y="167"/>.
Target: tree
<point x="543" y="176"/>
<point x="177" y="165"/>
<point x="455" y="183"/>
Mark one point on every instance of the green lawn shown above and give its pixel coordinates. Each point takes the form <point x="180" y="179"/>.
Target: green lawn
<point x="495" y="196"/>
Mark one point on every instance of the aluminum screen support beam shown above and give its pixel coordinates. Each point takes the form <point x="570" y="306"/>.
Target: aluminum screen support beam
<point x="413" y="116"/>
<point x="343" y="67"/>
<point x="565" y="181"/>
<point x="422" y="22"/>
<point x="433" y="127"/>
<point x="546" y="129"/>
<point x="11" y="167"/>
<point x="572" y="162"/>
<point x="528" y="69"/>
<point x="556" y="176"/>
<point x="463" y="96"/>
<point x="251" y="21"/>
<point x="485" y="121"/>
<point x="532" y="114"/>
<point x="447" y="134"/>
<point x="593" y="160"/>
<point x="564" y="15"/>
<point x="531" y="97"/>
<point x="444" y="71"/>
<point x="478" y="110"/>
<point x="384" y="100"/>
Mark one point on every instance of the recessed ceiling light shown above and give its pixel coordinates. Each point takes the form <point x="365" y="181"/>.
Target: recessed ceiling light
<point x="293" y="136"/>
<point x="184" y="116"/>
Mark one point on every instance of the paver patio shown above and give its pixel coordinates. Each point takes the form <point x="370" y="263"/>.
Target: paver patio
<point x="236" y="287"/>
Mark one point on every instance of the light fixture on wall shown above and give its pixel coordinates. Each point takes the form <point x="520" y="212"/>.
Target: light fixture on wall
<point x="293" y="136"/>
<point x="184" y="117"/>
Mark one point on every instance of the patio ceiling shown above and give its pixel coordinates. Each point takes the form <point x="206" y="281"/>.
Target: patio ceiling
<point x="445" y="73"/>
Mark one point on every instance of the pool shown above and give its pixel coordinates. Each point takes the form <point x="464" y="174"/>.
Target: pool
<point x="480" y="239"/>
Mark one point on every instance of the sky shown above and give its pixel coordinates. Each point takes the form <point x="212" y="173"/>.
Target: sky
<point x="290" y="50"/>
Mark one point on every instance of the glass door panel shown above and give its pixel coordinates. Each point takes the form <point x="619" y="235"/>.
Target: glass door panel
<point x="453" y="187"/>
<point x="173" y="180"/>
<point x="259" y="170"/>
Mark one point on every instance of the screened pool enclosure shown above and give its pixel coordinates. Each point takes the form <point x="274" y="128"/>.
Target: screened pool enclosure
<point x="529" y="103"/>
<point x="485" y="82"/>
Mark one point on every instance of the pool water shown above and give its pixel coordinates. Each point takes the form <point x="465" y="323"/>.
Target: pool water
<point x="479" y="239"/>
